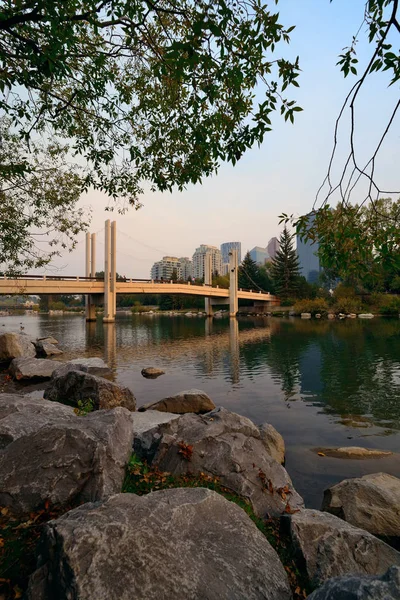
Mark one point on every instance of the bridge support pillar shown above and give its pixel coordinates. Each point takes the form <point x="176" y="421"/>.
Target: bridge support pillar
<point x="208" y="281"/>
<point x="90" y="271"/>
<point x="233" y="283"/>
<point x="110" y="271"/>
<point x="90" y="309"/>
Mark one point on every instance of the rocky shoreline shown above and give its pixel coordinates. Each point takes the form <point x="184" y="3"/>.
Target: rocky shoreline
<point x="180" y="499"/>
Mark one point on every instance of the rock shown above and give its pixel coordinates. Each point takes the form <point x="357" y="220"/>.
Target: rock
<point x="366" y="316"/>
<point x="50" y="454"/>
<point x="224" y="445"/>
<point x="331" y="316"/>
<point x="189" y="401"/>
<point x="94" y="365"/>
<point x="188" y="544"/>
<point x="371" y="502"/>
<point x="273" y="442"/>
<point x="318" y="315"/>
<point x="73" y="386"/>
<point x="353" y="587"/>
<point x="48" y="340"/>
<point x="305" y="315"/>
<point x="149" y="420"/>
<point x="22" y="415"/>
<point x="331" y="547"/>
<point x="44" y="349"/>
<point x="152" y="372"/>
<point x="352" y="316"/>
<point x="32" y="368"/>
<point x="16" y="345"/>
<point x="353" y="452"/>
<point x="146" y="435"/>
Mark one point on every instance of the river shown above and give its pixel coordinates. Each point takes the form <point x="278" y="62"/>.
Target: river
<point x="320" y="383"/>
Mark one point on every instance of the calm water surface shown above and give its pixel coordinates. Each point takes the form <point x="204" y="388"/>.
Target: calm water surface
<point x="320" y="383"/>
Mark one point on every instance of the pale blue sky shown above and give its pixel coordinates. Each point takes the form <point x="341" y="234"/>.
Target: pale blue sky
<point x="243" y="202"/>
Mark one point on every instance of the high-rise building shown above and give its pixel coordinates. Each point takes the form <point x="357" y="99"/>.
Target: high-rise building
<point x="186" y="268"/>
<point x="259" y="255"/>
<point x="198" y="260"/>
<point x="164" y="269"/>
<point x="273" y="247"/>
<point x="226" y="247"/>
<point x="307" y="252"/>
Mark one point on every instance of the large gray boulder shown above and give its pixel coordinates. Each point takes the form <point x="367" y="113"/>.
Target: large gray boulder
<point x="371" y="502"/>
<point x="45" y="349"/>
<point x="50" y="454"/>
<point x="353" y="587"/>
<point x="73" y="386"/>
<point x="15" y="345"/>
<point x="188" y="544"/>
<point x="23" y="415"/>
<point x="189" y="401"/>
<point x="331" y="547"/>
<point x="225" y="445"/>
<point x="32" y="368"/>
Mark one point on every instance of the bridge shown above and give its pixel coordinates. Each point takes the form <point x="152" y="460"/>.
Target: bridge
<point x="98" y="291"/>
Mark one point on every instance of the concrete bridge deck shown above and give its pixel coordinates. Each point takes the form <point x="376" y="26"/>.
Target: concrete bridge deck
<point x="37" y="285"/>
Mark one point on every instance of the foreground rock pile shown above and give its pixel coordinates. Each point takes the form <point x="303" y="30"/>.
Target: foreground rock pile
<point x="186" y="543"/>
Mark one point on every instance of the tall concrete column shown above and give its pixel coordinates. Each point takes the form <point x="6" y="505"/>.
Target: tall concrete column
<point x="89" y="304"/>
<point x="107" y="318"/>
<point x="113" y="282"/>
<point x="208" y="281"/>
<point x="110" y="271"/>
<point x="93" y="258"/>
<point x="233" y="283"/>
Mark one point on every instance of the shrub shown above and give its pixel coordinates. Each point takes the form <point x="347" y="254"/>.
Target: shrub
<point x="315" y="306"/>
<point x="344" y="291"/>
<point x="347" y="305"/>
<point x="139" y="309"/>
<point x="56" y="306"/>
<point x="84" y="407"/>
<point x="390" y="306"/>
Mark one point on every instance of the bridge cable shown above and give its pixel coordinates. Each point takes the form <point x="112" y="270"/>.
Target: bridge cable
<point x="252" y="280"/>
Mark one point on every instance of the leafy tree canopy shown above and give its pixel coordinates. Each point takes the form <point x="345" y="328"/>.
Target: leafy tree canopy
<point x="39" y="190"/>
<point x="358" y="244"/>
<point x="147" y="90"/>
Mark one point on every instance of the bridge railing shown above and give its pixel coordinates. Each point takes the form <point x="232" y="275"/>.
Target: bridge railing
<point x="121" y="280"/>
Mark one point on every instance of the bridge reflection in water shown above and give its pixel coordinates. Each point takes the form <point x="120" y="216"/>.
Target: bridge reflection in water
<point x="217" y="345"/>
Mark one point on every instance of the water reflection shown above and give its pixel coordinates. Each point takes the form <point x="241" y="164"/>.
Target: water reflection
<point x="349" y="370"/>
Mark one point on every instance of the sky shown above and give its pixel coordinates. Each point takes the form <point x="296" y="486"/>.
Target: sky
<point x="243" y="203"/>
